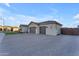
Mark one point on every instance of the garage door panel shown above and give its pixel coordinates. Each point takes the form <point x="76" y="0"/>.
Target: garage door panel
<point x="42" y="30"/>
<point x="32" y="29"/>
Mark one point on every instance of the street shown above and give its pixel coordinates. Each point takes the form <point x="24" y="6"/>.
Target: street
<point x="40" y="45"/>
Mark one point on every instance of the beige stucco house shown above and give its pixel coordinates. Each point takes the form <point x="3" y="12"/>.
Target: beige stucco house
<point x="47" y="28"/>
<point x="9" y="28"/>
<point x="5" y="28"/>
<point x="16" y="29"/>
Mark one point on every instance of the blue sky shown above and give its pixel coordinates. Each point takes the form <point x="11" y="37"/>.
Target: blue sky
<point x="22" y="13"/>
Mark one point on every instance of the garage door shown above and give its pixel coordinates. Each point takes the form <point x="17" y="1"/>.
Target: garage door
<point x="43" y="30"/>
<point x="32" y="29"/>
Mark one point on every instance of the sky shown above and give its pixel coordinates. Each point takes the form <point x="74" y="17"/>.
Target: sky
<point x="15" y="14"/>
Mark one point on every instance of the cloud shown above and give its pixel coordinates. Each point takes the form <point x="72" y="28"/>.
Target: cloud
<point x="54" y="10"/>
<point x="7" y="4"/>
<point x="76" y="17"/>
<point x="23" y="19"/>
<point x="13" y="19"/>
<point x="76" y="20"/>
<point x="50" y="18"/>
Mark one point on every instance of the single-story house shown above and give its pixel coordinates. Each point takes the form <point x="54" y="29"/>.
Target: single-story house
<point x="23" y="28"/>
<point x="9" y="28"/>
<point x="1" y="28"/>
<point x="46" y="27"/>
<point x="15" y="29"/>
<point x="5" y="28"/>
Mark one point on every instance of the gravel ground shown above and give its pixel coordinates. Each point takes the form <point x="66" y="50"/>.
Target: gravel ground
<point x="40" y="45"/>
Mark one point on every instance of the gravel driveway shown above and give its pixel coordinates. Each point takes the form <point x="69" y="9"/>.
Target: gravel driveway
<point x="41" y="45"/>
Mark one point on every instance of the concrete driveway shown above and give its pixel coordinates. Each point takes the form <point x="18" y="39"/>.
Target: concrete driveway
<point x="41" y="45"/>
<point x="1" y="36"/>
<point x="2" y="49"/>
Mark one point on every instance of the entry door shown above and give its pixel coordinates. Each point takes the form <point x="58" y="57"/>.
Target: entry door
<point x="43" y="30"/>
<point x="32" y="29"/>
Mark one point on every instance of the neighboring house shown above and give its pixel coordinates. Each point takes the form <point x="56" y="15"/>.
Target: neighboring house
<point x="23" y="28"/>
<point x="15" y="29"/>
<point x="1" y="28"/>
<point x="47" y="28"/>
<point x="9" y="28"/>
<point x="5" y="28"/>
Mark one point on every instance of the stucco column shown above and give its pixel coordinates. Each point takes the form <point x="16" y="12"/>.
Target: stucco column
<point x="37" y="30"/>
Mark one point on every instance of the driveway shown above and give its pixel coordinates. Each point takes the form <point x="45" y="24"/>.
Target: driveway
<point x="1" y="36"/>
<point x="2" y="49"/>
<point x="41" y="45"/>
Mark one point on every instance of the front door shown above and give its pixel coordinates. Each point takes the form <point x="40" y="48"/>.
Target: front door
<point x="42" y="30"/>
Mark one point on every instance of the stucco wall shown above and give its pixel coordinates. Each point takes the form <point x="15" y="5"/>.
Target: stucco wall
<point x="59" y="29"/>
<point x="15" y="29"/>
<point x="23" y="29"/>
<point x="56" y="29"/>
<point x="48" y="29"/>
<point x="52" y="29"/>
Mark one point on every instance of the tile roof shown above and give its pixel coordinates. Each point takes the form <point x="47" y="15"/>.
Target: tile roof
<point x="49" y="22"/>
<point x="23" y="25"/>
<point x="46" y="22"/>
